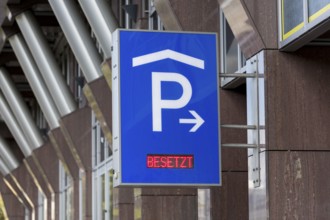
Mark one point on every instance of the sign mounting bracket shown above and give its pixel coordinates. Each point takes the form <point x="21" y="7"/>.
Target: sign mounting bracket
<point x="255" y="126"/>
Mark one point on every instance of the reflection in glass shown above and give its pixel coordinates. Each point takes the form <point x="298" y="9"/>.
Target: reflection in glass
<point x="317" y="7"/>
<point x="231" y="65"/>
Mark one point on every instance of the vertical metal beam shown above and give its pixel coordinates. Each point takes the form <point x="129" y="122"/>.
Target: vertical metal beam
<point x="35" y="80"/>
<point x="7" y="156"/>
<point x="13" y="126"/>
<point x="102" y="21"/>
<point x="252" y="97"/>
<point x="20" y="110"/>
<point x="46" y="62"/>
<point x="79" y="37"/>
<point x="257" y="157"/>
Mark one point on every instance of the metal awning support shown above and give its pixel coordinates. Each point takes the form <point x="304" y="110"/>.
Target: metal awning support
<point x="79" y="37"/>
<point x="2" y="38"/>
<point x="35" y="80"/>
<point x="7" y="156"/>
<point x="3" y="168"/>
<point x="46" y="63"/>
<point x="20" y="109"/>
<point x="241" y="126"/>
<point x="103" y="22"/>
<point x="40" y="91"/>
<point x="240" y="145"/>
<point x="14" y="127"/>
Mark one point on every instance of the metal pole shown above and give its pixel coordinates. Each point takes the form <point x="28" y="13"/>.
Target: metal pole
<point x="79" y="37"/>
<point x="239" y="145"/>
<point x="13" y="126"/>
<point x="241" y="75"/>
<point x="239" y="126"/>
<point x="46" y="62"/>
<point x="257" y="150"/>
<point x="8" y="157"/>
<point x="102" y="21"/>
<point x="252" y="127"/>
<point x="3" y="168"/>
<point x="35" y="80"/>
<point x="20" y="109"/>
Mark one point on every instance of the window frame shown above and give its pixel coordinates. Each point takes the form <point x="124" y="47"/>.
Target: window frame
<point x="311" y="28"/>
<point x="102" y="190"/>
<point x="124" y="19"/>
<point x="153" y="16"/>
<point x="42" y="202"/>
<point x="70" y="69"/>
<point x="66" y="191"/>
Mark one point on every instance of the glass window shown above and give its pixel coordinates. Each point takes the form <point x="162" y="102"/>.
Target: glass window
<point x="124" y="19"/>
<point x="298" y="17"/>
<point x="102" y="174"/>
<point x="292" y="16"/>
<point x="145" y="7"/>
<point x="154" y="20"/>
<point x="232" y="59"/>
<point x="102" y="210"/>
<point x="103" y="192"/>
<point x="38" y="116"/>
<point x="317" y="7"/>
<point x="72" y="74"/>
<point x="101" y="147"/>
<point x="66" y="194"/>
<point x="231" y="50"/>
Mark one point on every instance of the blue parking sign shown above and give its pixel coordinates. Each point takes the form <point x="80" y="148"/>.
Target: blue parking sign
<point x="166" y="128"/>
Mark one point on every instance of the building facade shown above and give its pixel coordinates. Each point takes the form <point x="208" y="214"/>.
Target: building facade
<point x="56" y="109"/>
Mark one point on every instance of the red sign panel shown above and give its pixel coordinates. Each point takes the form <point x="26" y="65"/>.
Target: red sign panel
<point x="172" y="161"/>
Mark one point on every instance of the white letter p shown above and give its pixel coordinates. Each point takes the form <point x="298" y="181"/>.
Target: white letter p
<point x="158" y="104"/>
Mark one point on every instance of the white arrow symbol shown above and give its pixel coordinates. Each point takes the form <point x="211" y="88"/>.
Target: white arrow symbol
<point x="197" y="120"/>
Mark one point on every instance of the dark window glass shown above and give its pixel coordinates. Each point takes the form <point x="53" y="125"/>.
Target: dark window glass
<point x="292" y="15"/>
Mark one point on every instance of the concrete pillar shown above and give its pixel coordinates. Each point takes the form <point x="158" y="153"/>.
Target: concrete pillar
<point x="162" y="203"/>
<point x="294" y="184"/>
<point x="13" y="205"/>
